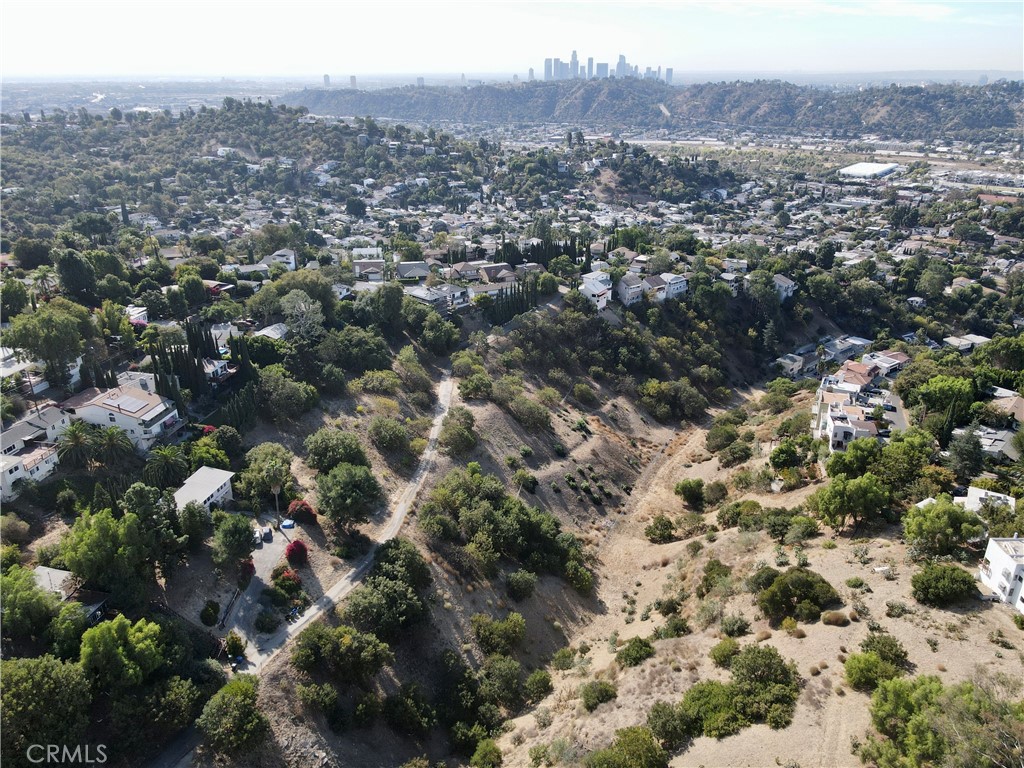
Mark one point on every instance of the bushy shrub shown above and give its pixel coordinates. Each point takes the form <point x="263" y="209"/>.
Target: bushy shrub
<point x="692" y="492"/>
<point x="735" y="626"/>
<point x="520" y="584"/>
<point x="660" y="531"/>
<point x="267" y="621"/>
<point x="671" y="725"/>
<point x="797" y="592"/>
<point x="941" y="585"/>
<point x="722" y="653"/>
<point x="525" y="480"/>
<point x="408" y="712"/>
<point x="721" y="436"/>
<point x="296" y="552"/>
<point x="596" y="693"/>
<point x="563" y="659"/>
<point x="834" y="618"/>
<point x="714" y="571"/>
<point x="864" y="671"/>
<point x="537" y="685"/>
<point x="715" y="492"/>
<point x="300" y="511"/>
<point x="886" y="647"/>
<point x="210" y="613"/>
<point x="634" y="747"/>
<point x="735" y="454"/>
<point x="711" y="706"/>
<point x="635" y="652"/>
<point x="498" y="637"/>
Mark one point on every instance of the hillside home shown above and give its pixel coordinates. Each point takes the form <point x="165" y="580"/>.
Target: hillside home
<point x="68" y="587"/>
<point x="144" y="415"/>
<point x="629" y="290"/>
<point x="784" y="287"/>
<point x="654" y="288"/>
<point x="1002" y="570"/>
<point x="597" y="287"/>
<point x="732" y="280"/>
<point x="370" y="270"/>
<point x="285" y="256"/>
<point x="888" y="362"/>
<point x="976" y="498"/>
<point x="836" y="417"/>
<point x="208" y="486"/>
<point x="917" y="302"/>
<point x="791" y="365"/>
<point x="218" y="371"/>
<point x="277" y="331"/>
<point x="29" y="448"/>
<point x="412" y="270"/>
<point x="32" y="372"/>
<point x="737" y="266"/>
<point x="675" y="285"/>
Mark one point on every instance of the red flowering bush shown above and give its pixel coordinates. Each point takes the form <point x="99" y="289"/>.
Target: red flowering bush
<point x="301" y="512"/>
<point x="296" y="553"/>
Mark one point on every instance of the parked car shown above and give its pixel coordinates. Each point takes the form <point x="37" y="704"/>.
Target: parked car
<point x="257" y="537"/>
<point x="888" y="407"/>
<point x="268" y="533"/>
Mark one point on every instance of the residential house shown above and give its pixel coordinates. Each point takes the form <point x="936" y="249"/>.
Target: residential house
<point x="465" y="270"/>
<point x="497" y="273"/>
<point x="144" y="415"/>
<point x="412" y="270"/>
<point x="12" y="362"/>
<point x="958" y="343"/>
<point x="369" y="253"/>
<point x="860" y="374"/>
<point x="597" y="287"/>
<point x="996" y="443"/>
<point x="208" y="486"/>
<point x="836" y="417"/>
<point x="738" y="266"/>
<point x="29" y="450"/>
<point x="654" y="288"/>
<point x="285" y="257"/>
<point x="732" y="280"/>
<point x="629" y="290"/>
<point x="276" y="331"/>
<point x="917" y="302"/>
<point x="68" y="587"/>
<point x="369" y="270"/>
<point x="675" y="285"/>
<point x="1011" y="405"/>
<point x="976" y="498"/>
<point x="1002" y="570"/>
<point x="887" y="362"/>
<point x="784" y="287"/>
<point x="529" y="268"/>
<point x="218" y="371"/>
<point x="136" y="314"/>
<point x="791" y="365"/>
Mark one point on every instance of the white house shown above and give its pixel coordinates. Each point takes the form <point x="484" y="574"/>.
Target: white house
<point x="597" y="287"/>
<point x="1002" y="570"/>
<point x="975" y="497"/>
<point x="371" y="270"/>
<point x="12" y="362"/>
<point x="285" y="257"/>
<point x="917" y="302"/>
<point x="275" y="331"/>
<point x="654" y="288"/>
<point x="675" y="285"/>
<point x="143" y="414"/>
<point x="208" y="486"/>
<point x="629" y="290"/>
<point x="732" y="280"/>
<point x="791" y="365"/>
<point x="29" y="448"/>
<point x="784" y="287"/>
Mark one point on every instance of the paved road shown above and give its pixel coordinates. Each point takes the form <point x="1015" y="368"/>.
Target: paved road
<point x="179" y="753"/>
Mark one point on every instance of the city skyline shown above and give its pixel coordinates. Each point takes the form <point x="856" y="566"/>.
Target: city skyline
<point x="115" y="38"/>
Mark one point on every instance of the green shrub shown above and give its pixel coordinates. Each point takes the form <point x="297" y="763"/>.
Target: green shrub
<point x="675" y="626"/>
<point x="714" y="572"/>
<point x="721" y="436"/>
<point x="692" y="492"/>
<point x="635" y="652"/>
<point x="408" y="711"/>
<point x="634" y="747"/>
<point x="487" y="755"/>
<point x="563" y="658"/>
<point x="267" y="621"/>
<point x="671" y="725"/>
<point x="855" y="582"/>
<point x="498" y="637"/>
<point x="735" y="626"/>
<point x="864" y="671"/>
<point x="723" y="653"/>
<point x="715" y="492"/>
<point x="798" y="592"/>
<point x="596" y="693"/>
<point x="520" y="584"/>
<point x="886" y="647"/>
<point x="735" y="454"/>
<point x="941" y="585"/>
<point x="661" y="530"/>
<point x="711" y="706"/>
<point x="210" y="613"/>
<point x="834" y="619"/>
<point x="537" y="685"/>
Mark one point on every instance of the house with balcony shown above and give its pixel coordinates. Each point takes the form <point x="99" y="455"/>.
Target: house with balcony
<point x="835" y="416"/>
<point x="29" y="448"/>
<point x="675" y="285"/>
<point x="145" y="416"/>
<point x="784" y="287"/>
<point x="218" y="371"/>
<point x="1002" y="570"/>
<point x="654" y="288"/>
<point x="629" y="290"/>
<point x="597" y="287"/>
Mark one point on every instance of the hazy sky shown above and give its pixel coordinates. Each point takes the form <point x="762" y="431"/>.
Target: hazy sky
<point x="311" y="37"/>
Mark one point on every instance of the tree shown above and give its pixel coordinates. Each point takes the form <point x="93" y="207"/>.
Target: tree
<point x="31" y="253"/>
<point x="49" y="334"/>
<point x="66" y="630"/>
<point x="797" y="592"/>
<point x="232" y="541"/>
<point x="948" y="394"/>
<point x="77" y="447"/>
<point x="262" y="470"/>
<point x="864" y="671"/>
<point x="941" y="585"/>
<point x="114" y="553"/>
<point x="439" y="335"/>
<point x="232" y="721"/>
<point x="166" y="467"/>
<point x="355" y="207"/>
<point x="786" y="455"/>
<point x="692" y="491"/>
<point x="487" y="755"/>
<point x="303" y="316"/>
<point x="77" y="276"/>
<point x="388" y="434"/>
<point x="27" y="609"/>
<point x="192" y="289"/>
<point x="858" y="499"/>
<point x="113" y="447"/>
<point x="46" y="701"/>
<point x="457" y="437"/>
<point x="327" y="448"/>
<point x="13" y="299"/>
<point x="347" y="494"/>
<point x="206" y="453"/>
<point x="119" y="654"/>
<point x="281" y="397"/>
<point x="966" y="457"/>
<point x="343" y="651"/>
<point x="940" y="527"/>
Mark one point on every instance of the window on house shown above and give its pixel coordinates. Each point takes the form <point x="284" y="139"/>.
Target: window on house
<point x="110" y="417"/>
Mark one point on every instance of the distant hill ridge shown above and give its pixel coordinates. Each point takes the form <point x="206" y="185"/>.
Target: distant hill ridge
<point x="908" y="112"/>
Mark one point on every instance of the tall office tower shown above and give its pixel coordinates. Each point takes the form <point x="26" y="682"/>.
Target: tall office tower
<point x="558" y="69"/>
<point x="547" y="69"/>
<point x="636" y="70"/>
<point x="621" y="67"/>
<point x="352" y="82"/>
<point x="419" y="82"/>
<point x="648" y="74"/>
<point x="515" y="78"/>
<point x="659" y="71"/>
<point x="327" y="81"/>
<point x="668" y="75"/>
<point x="590" y="67"/>
<point x="574" y="65"/>
<point x="531" y="74"/>
<point x="602" y="70"/>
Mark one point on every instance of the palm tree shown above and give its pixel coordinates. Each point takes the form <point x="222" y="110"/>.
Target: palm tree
<point x="276" y="474"/>
<point x="166" y="466"/>
<point x="44" y="280"/>
<point x="77" y="445"/>
<point x="113" y="446"/>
